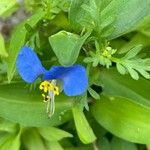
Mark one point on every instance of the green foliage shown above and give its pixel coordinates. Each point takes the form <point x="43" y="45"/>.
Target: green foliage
<point x="20" y="33"/>
<point x="22" y="100"/>
<point x="82" y="126"/>
<point x="124" y="86"/>
<point x="132" y="63"/>
<point x="123" y="118"/>
<point x="111" y="38"/>
<point x="48" y="133"/>
<point x="6" y="6"/>
<point x="2" y="47"/>
<point x="67" y="46"/>
<point x="118" y="144"/>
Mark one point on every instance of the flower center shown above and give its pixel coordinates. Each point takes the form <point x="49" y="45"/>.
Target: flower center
<point x="49" y="86"/>
<point x="50" y="90"/>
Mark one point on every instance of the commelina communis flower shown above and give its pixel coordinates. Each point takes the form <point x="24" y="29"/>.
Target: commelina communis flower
<point x="74" y="78"/>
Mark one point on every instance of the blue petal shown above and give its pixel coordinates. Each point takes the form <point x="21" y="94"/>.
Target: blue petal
<point x="29" y="65"/>
<point x="75" y="81"/>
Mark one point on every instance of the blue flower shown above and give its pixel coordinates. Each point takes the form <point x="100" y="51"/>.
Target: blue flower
<point x="74" y="78"/>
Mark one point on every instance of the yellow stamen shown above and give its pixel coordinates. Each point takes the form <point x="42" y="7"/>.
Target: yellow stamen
<point x="48" y="86"/>
<point x="46" y="98"/>
<point x="50" y="90"/>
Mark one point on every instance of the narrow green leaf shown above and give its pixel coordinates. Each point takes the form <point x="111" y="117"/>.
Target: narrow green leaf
<point x="18" y="40"/>
<point x="144" y="73"/>
<point x="123" y="118"/>
<point x="32" y="140"/>
<point x="83" y="128"/>
<point x="27" y="108"/>
<point x="67" y="46"/>
<point x="2" y="47"/>
<point x="93" y="93"/>
<point x="133" y="73"/>
<point x="121" y="69"/>
<point x="133" y="52"/>
<point x="53" y="134"/>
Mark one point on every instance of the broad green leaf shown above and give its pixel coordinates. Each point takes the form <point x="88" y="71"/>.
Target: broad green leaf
<point x="6" y="5"/>
<point x="148" y="146"/>
<point x="8" y="126"/>
<point x="20" y="105"/>
<point x="32" y="140"/>
<point x="18" y="40"/>
<point x="4" y="137"/>
<point x="123" y="85"/>
<point x="126" y="20"/>
<point x="77" y="14"/>
<point x="119" y="144"/>
<point x="2" y="47"/>
<point x="87" y="14"/>
<point x="67" y="46"/>
<point x="123" y="118"/>
<point x="53" y="134"/>
<point x="83" y="128"/>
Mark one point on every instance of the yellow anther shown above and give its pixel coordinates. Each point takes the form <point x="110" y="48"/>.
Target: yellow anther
<point x="46" y="98"/>
<point x="48" y="86"/>
<point x="56" y="90"/>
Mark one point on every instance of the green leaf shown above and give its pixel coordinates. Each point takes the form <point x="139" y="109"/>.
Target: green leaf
<point x="133" y="73"/>
<point x="4" y="136"/>
<point x="126" y="20"/>
<point x="20" y="34"/>
<point x="118" y="85"/>
<point x="20" y="105"/>
<point x="133" y="52"/>
<point x="32" y="140"/>
<point x="133" y="64"/>
<point x="138" y="39"/>
<point x="121" y="69"/>
<point x="123" y="118"/>
<point x="83" y="128"/>
<point x="13" y="143"/>
<point x="8" y="126"/>
<point x="67" y="46"/>
<point x="53" y="134"/>
<point x="77" y="14"/>
<point x="2" y="47"/>
<point x="93" y="93"/>
<point x="119" y="144"/>
<point x="103" y="144"/>
<point x="6" y="5"/>
<point x="87" y="14"/>
<point x="53" y="145"/>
